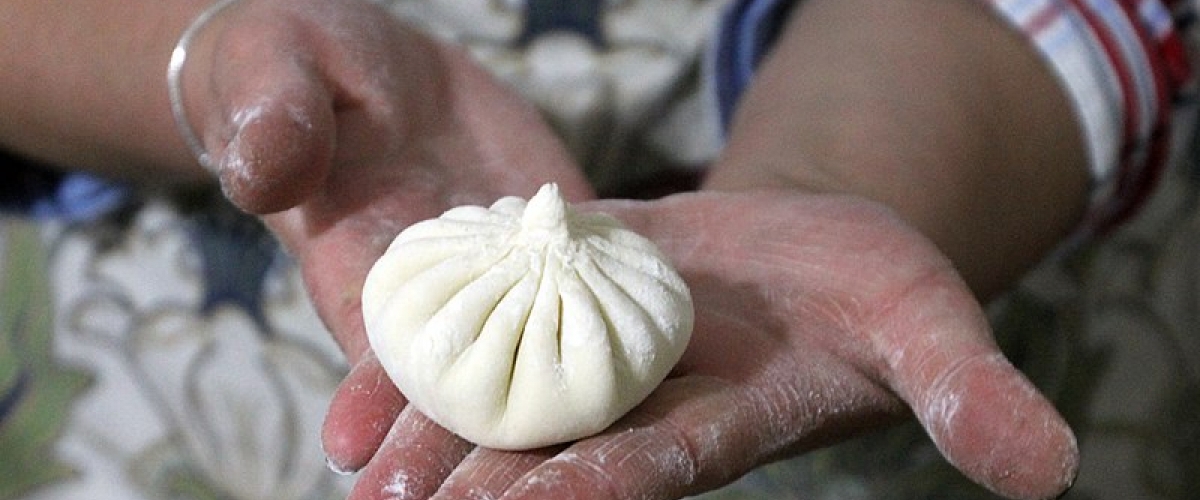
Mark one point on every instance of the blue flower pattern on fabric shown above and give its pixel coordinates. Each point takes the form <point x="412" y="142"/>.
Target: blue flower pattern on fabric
<point x="236" y="255"/>
<point x="580" y="17"/>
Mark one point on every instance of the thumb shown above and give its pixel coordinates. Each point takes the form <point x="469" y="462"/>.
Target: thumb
<point x="282" y="143"/>
<point x="987" y="419"/>
<point x="992" y="424"/>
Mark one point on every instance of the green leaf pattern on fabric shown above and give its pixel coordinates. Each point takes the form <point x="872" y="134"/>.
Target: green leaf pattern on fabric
<point x="36" y="389"/>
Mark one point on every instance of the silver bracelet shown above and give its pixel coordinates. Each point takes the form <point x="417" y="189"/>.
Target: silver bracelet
<point x="175" y="89"/>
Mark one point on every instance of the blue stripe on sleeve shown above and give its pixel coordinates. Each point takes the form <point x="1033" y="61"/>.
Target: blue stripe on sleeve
<point x="747" y="32"/>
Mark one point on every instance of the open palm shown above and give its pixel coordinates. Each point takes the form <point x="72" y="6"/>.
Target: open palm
<point x="817" y="317"/>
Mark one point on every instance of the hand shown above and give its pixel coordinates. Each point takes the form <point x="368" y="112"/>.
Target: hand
<point x="817" y="317"/>
<point x="342" y="126"/>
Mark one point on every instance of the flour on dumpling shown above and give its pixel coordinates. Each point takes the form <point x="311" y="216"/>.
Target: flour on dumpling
<point x="525" y="324"/>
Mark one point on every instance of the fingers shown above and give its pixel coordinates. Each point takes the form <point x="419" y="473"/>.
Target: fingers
<point x="985" y="417"/>
<point x="263" y="110"/>
<point x="650" y="458"/>
<point x="362" y="411"/>
<point x="414" y="461"/>
<point x="690" y="437"/>
<point x="486" y="474"/>
<point x="699" y="433"/>
<point x="282" y="142"/>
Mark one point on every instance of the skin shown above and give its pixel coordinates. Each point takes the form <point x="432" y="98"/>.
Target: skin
<point x="885" y="172"/>
<point x="100" y="110"/>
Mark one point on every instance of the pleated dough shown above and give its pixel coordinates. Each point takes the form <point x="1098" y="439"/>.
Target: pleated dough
<point x="523" y="324"/>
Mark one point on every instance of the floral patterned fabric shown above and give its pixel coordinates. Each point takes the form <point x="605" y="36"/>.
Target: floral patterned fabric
<point x="168" y="351"/>
<point x="176" y="357"/>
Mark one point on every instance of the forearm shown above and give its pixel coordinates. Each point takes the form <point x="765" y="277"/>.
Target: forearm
<point x="84" y="85"/>
<point x="933" y="107"/>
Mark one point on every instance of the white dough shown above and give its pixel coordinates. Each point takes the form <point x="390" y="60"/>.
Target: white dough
<point x="523" y="324"/>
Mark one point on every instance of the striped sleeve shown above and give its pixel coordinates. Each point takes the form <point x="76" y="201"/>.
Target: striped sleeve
<point x="1124" y="65"/>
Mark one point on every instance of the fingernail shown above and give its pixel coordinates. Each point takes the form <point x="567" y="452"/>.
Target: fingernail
<point x="338" y="469"/>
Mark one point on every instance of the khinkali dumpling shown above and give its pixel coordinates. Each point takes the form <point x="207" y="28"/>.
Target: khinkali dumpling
<point x="525" y="324"/>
